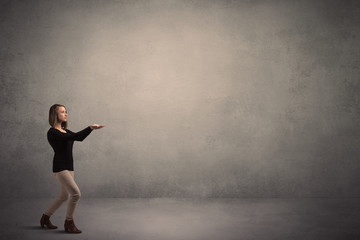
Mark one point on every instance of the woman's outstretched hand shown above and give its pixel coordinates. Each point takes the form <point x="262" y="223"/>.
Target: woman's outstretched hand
<point x="96" y="126"/>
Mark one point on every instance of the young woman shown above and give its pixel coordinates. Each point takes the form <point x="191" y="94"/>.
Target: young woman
<point x="61" y="140"/>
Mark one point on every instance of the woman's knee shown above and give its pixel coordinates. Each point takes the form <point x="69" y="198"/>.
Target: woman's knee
<point x="63" y="197"/>
<point x="76" y="196"/>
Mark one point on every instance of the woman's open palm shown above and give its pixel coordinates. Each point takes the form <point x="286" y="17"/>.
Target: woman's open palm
<point x="96" y="126"/>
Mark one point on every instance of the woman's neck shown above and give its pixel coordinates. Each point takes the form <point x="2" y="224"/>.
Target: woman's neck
<point x="58" y="125"/>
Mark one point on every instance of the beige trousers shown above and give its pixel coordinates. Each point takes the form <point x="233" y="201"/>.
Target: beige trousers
<point x="68" y="189"/>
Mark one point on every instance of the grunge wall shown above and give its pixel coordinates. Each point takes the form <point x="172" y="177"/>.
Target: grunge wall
<point x="199" y="98"/>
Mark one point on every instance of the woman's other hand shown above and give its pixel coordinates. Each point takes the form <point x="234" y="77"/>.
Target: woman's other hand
<point x="96" y="126"/>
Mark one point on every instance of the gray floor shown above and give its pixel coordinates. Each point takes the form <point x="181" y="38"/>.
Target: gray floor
<point x="172" y="219"/>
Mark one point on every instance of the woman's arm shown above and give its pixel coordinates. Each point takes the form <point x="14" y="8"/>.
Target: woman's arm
<point x="79" y="136"/>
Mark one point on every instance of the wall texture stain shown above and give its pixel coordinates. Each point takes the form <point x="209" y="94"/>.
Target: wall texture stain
<point x="199" y="98"/>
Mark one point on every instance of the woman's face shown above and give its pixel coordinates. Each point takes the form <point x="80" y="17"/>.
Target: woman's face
<point x="62" y="114"/>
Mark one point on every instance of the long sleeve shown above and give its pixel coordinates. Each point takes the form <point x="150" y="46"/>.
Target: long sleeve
<point x="54" y="134"/>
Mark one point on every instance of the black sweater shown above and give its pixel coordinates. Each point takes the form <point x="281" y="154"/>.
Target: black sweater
<point x="62" y="143"/>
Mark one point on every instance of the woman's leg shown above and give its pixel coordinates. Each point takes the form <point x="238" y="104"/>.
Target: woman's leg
<point x="66" y="178"/>
<point x="58" y="201"/>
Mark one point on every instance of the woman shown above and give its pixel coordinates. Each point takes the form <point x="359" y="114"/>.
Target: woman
<point x="61" y="140"/>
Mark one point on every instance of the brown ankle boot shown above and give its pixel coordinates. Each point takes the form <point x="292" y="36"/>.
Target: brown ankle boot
<point x="70" y="227"/>
<point x="45" y="220"/>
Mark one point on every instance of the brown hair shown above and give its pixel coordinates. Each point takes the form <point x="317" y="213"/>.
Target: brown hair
<point x="53" y="115"/>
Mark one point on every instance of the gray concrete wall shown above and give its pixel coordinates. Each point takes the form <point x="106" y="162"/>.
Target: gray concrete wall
<point x="199" y="98"/>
